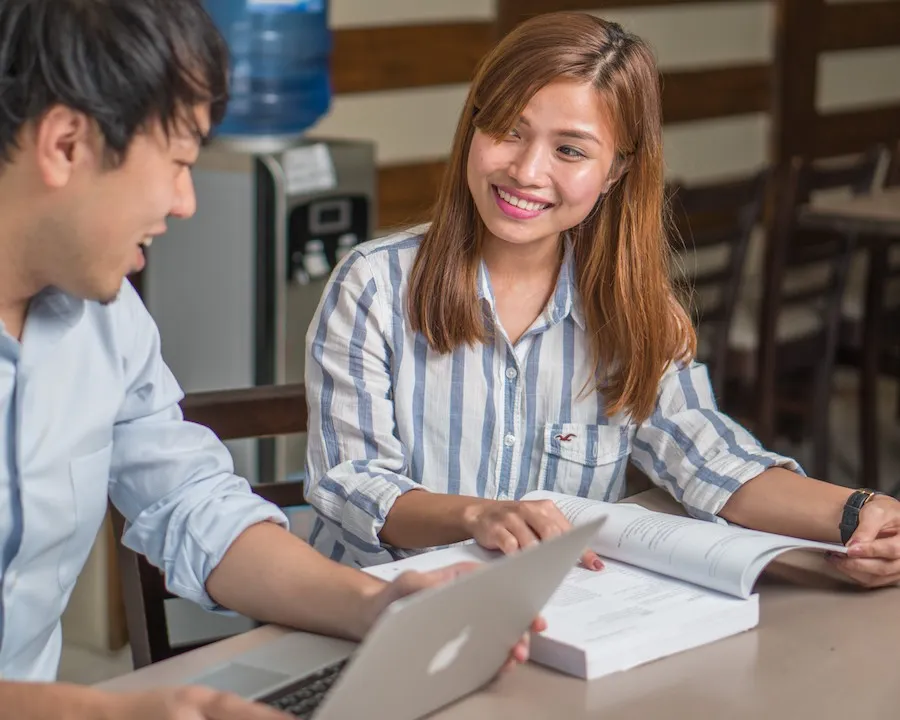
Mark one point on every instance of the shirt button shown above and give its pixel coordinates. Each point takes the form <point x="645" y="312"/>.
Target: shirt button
<point x="509" y="440"/>
<point x="512" y="373"/>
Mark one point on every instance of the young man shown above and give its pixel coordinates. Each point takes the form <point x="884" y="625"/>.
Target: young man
<point x="103" y="107"/>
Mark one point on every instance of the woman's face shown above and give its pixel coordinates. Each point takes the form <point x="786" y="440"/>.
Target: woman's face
<point x="545" y="176"/>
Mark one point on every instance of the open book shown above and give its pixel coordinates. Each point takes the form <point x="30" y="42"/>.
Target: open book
<point x="671" y="583"/>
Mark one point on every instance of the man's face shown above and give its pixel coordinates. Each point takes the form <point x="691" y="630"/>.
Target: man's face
<point x="109" y="214"/>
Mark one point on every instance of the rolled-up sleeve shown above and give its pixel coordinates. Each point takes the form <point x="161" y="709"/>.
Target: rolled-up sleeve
<point x="173" y="481"/>
<point x="356" y="465"/>
<point x="700" y="455"/>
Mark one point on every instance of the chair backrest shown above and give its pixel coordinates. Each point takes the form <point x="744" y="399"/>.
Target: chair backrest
<point x="714" y="225"/>
<point x="893" y="172"/>
<point x="231" y="414"/>
<point x="805" y="276"/>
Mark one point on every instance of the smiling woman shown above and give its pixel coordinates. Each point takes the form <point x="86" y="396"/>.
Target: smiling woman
<point x="530" y="337"/>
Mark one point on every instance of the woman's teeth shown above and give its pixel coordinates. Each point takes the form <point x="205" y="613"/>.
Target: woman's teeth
<point x="520" y="203"/>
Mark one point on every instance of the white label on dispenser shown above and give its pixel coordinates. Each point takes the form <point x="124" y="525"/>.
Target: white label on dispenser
<point x="312" y="6"/>
<point x="308" y="169"/>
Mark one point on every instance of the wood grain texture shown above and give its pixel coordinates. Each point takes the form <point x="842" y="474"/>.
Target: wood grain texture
<point x="264" y="411"/>
<point x="856" y="131"/>
<point x="797" y="24"/>
<point x="860" y="25"/>
<point x="716" y="92"/>
<point x="408" y="56"/>
<point x="406" y="193"/>
<point x="512" y="12"/>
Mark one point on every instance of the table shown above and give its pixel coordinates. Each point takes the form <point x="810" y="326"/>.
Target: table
<point x="875" y="221"/>
<point x="822" y="650"/>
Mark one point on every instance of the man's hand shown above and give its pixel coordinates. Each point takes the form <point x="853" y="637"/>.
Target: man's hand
<point x="186" y="703"/>
<point x="411" y="582"/>
<point x="510" y="525"/>
<point x="873" y="553"/>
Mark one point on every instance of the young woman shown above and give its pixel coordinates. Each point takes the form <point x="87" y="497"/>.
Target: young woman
<point x="530" y="337"/>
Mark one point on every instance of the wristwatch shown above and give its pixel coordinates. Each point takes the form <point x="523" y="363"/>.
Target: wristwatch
<point x="850" y="516"/>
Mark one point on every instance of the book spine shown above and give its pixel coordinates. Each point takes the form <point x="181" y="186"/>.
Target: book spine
<point x="558" y="655"/>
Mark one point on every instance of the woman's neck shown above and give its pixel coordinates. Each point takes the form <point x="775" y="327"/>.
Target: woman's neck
<point x="511" y="263"/>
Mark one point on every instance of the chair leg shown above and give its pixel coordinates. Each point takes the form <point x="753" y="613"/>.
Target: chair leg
<point x="898" y="402"/>
<point x="820" y="444"/>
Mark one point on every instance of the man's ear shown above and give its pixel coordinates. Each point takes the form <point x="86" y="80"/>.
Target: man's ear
<point x="620" y="166"/>
<point x="64" y="139"/>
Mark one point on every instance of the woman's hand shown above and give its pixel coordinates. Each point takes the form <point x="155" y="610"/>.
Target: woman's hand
<point x="873" y="552"/>
<point x="508" y="525"/>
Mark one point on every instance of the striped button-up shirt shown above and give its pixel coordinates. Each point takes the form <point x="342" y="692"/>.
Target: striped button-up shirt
<point x="389" y="415"/>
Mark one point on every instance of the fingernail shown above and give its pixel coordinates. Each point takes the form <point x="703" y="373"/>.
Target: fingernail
<point x="598" y="564"/>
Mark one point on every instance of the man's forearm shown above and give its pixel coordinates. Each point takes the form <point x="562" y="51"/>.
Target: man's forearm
<point x="59" y="701"/>
<point x="780" y="501"/>
<point x="273" y="576"/>
<point x="421" y="519"/>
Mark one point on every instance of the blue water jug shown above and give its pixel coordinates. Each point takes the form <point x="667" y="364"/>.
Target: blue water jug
<point x="280" y="67"/>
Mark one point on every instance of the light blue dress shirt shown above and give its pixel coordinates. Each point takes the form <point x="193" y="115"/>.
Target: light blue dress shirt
<point x="90" y="412"/>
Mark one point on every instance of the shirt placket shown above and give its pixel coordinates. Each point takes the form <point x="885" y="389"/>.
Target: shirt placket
<point x="511" y="375"/>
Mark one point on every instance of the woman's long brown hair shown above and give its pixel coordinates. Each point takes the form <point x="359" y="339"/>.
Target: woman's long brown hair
<point x="635" y="323"/>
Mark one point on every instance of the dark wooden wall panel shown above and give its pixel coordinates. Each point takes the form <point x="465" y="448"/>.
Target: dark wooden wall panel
<point x="407" y="192"/>
<point x="408" y="56"/>
<point x="804" y="30"/>
<point x="861" y="25"/>
<point x="716" y="92"/>
<point x="855" y="131"/>
<point x="511" y="12"/>
<point x="794" y="97"/>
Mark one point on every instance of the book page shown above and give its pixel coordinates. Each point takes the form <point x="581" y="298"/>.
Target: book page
<point x="433" y="560"/>
<point x="623" y="601"/>
<point x="726" y="558"/>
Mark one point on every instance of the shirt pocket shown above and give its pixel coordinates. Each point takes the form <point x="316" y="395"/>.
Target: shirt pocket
<point x="89" y="475"/>
<point x="585" y="460"/>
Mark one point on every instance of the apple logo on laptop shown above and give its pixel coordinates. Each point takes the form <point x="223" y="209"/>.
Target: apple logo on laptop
<point x="447" y="655"/>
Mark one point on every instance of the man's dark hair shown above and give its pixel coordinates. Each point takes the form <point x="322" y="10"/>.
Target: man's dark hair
<point x="123" y="63"/>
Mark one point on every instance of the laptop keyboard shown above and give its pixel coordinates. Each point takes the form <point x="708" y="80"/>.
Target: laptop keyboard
<point x="301" y="698"/>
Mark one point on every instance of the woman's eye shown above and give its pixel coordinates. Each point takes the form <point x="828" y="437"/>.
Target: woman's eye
<point x="571" y="152"/>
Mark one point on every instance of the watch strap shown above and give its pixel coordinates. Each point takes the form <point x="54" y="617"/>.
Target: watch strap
<point x="850" y="515"/>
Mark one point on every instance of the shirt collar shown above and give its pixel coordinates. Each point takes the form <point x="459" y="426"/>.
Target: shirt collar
<point x="564" y="301"/>
<point x="51" y="315"/>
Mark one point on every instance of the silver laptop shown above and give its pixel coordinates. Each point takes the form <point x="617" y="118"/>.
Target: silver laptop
<point x="425" y="651"/>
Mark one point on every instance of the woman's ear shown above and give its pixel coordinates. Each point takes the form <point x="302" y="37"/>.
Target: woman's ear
<point x="620" y="166"/>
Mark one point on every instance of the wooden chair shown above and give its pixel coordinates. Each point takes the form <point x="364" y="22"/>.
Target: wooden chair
<point x="804" y="279"/>
<point x="714" y="225"/>
<point x="892" y="177"/>
<point x="232" y="414"/>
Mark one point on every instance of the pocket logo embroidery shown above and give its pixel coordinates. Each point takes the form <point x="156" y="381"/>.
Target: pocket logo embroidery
<point x="566" y="438"/>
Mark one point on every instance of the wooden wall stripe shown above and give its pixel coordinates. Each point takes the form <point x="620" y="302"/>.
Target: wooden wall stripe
<point x="860" y="25"/>
<point x="407" y="56"/>
<point x="511" y="12"/>
<point x="718" y="92"/>
<point x="524" y="8"/>
<point x="406" y="193"/>
<point x="854" y="131"/>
